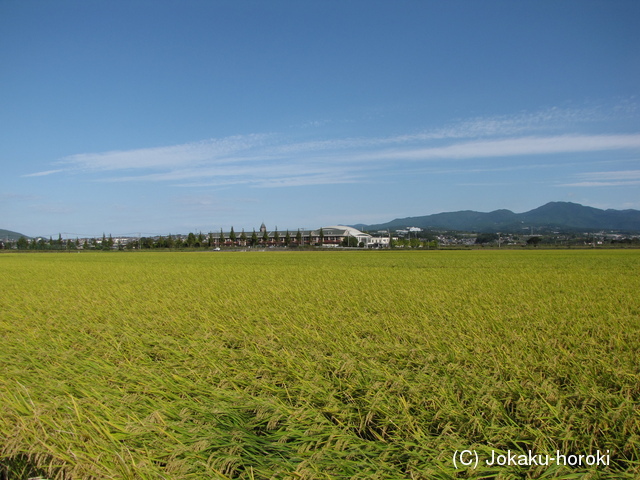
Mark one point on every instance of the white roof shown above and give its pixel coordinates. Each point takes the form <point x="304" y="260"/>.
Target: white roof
<point x="354" y="232"/>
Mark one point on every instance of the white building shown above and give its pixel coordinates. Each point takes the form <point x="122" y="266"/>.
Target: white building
<point x="338" y="233"/>
<point x="331" y="236"/>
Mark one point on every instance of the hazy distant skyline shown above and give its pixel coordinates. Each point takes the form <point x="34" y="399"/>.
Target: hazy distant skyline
<point x="169" y="117"/>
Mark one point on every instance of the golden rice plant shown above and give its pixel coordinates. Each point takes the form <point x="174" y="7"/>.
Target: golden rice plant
<point x="317" y="365"/>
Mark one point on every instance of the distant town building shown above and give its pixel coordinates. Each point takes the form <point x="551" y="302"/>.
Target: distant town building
<point x="331" y="236"/>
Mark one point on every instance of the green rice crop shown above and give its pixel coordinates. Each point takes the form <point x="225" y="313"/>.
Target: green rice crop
<point x="317" y="365"/>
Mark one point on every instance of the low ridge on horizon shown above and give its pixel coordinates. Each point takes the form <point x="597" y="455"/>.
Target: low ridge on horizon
<point x="552" y="215"/>
<point x="556" y="215"/>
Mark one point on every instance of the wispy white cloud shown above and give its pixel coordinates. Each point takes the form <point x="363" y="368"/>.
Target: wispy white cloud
<point x="620" y="178"/>
<point x="545" y="120"/>
<point x="44" y="173"/>
<point x="271" y="160"/>
<point x="166" y="157"/>
<point x="620" y="183"/>
<point x="613" y="175"/>
<point x="514" y="147"/>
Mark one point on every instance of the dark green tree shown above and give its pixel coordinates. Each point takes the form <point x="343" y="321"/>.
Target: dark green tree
<point x="321" y="236"/>
<point x="349" y="241"/>
<point x="533" y="241"/>
<point x="483" y="238"/>
<point x="299" y="237"/>
<point x="243" y="238"/>
<point x="430" y="244"/>
<point x="254" y="238"/>
<point x="276" y="237"/>
<point x="22" y="243"/>
<point x="232" y="236"/>
<point x="191" y="240"/>
<point x="221" y="238"/>
<point x="265" y="237"/>
<point x="287" y="239"/>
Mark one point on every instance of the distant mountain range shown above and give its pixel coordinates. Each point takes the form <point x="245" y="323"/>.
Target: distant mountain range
<point x="9" y="235"/>
<point x="554" y="216"/>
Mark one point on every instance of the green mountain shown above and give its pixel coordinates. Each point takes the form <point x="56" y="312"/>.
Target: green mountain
<point x="9" y="235"/>
<point x="564" y="216"/>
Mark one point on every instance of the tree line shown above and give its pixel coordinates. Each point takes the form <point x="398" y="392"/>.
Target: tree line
<point x="192" y="240"/>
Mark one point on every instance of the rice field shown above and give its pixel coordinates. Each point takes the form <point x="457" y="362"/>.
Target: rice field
<point x="318" y="365"/>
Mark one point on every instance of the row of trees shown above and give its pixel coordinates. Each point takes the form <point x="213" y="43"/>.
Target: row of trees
<point x="24" y="243"/>
<point x="297" y="239"/>
<point x="191" y="240"/>
<point x="200" y="240"/>
<point x="414" y="242"/>
<point x="212" y="240"/>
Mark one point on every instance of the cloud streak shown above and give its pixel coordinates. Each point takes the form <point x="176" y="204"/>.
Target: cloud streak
<point x="621" y="178"/>
<point x="194" y="153"/>
<point x="45" y="173"/>
<point x="271" y="160"/>
<point x="515" y="147"/>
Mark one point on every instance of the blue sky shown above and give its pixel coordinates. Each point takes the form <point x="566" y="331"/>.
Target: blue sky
<point x="159" y="117"/>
